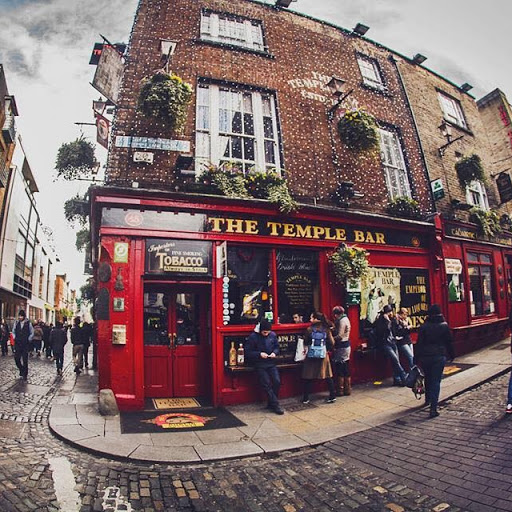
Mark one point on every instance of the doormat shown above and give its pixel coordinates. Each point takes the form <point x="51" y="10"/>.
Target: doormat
<point x="184" y="420"/>
<point x="503" y="346"/>
<point x="175" y="403"/>
<point x="453" y="368"/>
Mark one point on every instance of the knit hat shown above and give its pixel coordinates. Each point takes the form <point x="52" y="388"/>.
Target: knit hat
<point x="22" y="313"/>
<point x="434" y="310"/>
<point x="265" y="325"/>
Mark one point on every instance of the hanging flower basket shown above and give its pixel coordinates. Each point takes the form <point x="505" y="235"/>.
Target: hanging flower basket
<point x="165" y="97"/>
<point x="488" y="222"/>
<point x="358" y="130"/>
<point x="74" y="159"/>
<point x="269" y="185"/>
<point x="469" y="168"/>
<point x="348" y="263"/>
<point x="229" y="180"/>
<point x="404" y="207"/>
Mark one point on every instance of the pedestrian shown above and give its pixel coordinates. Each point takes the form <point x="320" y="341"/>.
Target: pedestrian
<point x="23" y="333"/>
<point x="387" y="344"/>
<point x="78" y="346"/>
<point x="434" y="346"/>
<point x="402" y="330"/>
<point x="58" y="339"/>
<point x="508" y="410"/>
<point x="87" y="339"/>
<point x="341" y="353"/>
<point x="5" y="336"/>
<point x="47" y="348"/>
<point x="316" y="368"/>
<point x="37" y="339"/>
<point x="261" y="350"/>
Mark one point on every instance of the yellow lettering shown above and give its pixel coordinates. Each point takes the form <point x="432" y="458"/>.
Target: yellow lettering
<point x="288" y="230"/>
<point x="251" y="227"/>
<point x="341" y="234"/>
<point x="273" y="228"/>
<point x="216" y="223"/>
<point x="234" y="226"/>
<point x="358" y="236"/>
<point x="329" y="235"/>
<point x="303" y="231"/>
<point x="317" y="231"/>
<point x="379" y="238"/>
<point x="369" y="238"/>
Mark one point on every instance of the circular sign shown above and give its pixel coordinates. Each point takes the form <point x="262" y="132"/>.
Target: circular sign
<point x="225" y="279"/>
<point x="133" y="219"/>
<point x="121" y="251"/>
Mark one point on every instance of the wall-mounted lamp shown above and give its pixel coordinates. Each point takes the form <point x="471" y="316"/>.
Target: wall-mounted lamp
<point x="183" y="164"/>
<point x="284" y="3"/>
<point x="446" y="132"/>
<point x="360" y="29"/>
<point x="337" y="87"/>
<point x="344" y="193"/>
<point x="466" y="87"/>
<point x="419" y="59"/>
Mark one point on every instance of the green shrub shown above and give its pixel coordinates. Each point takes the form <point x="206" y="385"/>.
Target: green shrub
<point x="404" y="207"/>
<point x="358" y="130"/>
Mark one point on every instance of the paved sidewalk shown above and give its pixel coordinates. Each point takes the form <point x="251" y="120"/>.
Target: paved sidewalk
<point x="74" y="417"/>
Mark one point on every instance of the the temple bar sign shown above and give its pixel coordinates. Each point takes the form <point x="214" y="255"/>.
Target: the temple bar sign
<point x="179" y="257"/>
<point x="504" y="185"/>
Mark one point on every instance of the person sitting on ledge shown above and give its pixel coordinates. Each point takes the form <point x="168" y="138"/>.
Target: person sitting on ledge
<point x="261" y="350"/>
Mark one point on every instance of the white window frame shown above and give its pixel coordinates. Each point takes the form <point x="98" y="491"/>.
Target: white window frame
<point x="370" y="72"/>
<point x="452" y="110"/>
<point x="211" y="143"/>
<point x="393" y="161"/>
<point x="477" y="195"/>
<point x="229" y="29"/>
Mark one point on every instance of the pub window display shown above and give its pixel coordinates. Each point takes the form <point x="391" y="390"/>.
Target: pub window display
<point x="481" y="291"/>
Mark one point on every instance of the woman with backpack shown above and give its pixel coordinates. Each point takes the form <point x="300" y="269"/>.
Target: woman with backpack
<point x="434" y="346"/>
<point x="317" y="364"/>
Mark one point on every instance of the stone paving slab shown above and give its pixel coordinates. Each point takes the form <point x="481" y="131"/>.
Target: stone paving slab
<point x="281" y="443"/>
<point x="165" y="454"/>
<point x="73" y="432"/>
<point x="228" y="450"/>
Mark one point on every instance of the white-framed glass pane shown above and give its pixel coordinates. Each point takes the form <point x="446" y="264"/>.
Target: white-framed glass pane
<point x="477" y="195"/>
<point x="370" y="72"/>
<point x="452" y="110"/>
<point x="393" y="161"/>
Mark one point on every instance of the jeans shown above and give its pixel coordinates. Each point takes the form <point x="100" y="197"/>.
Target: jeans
<point x="78" y="356"/>
<point x="407" y="352"/>
<point x="21" y="360"/>
<point x="433" y="367"/>
<point x="391" y="352"/>
<point x="270" y="382"/>
<point x="59" y="359"/>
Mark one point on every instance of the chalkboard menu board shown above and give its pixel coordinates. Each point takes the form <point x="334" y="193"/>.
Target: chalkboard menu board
<point x="287" y="347"/>
<point x="297" y="278"/>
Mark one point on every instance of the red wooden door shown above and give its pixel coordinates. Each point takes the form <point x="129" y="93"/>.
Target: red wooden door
<point x="175" y="341"/>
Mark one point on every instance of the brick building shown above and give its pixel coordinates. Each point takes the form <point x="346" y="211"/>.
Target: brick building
<point x="184" y="274"/>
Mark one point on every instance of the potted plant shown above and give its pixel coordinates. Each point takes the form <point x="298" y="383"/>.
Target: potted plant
<point x="166" y="97"/>
<point x="469" y="168"/>
<point x="488" y="222"/>
<point x="269" y="185"/>
<point x="348" y="263"/>
<point x="74" y="159"/>
<point x="358" y="130"/>
<point x="404" y="207"/>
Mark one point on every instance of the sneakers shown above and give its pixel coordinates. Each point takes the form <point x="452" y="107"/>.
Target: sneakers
<point x="330" y="400"/>
<point x="306" y="400"/>
<point x="508" y="410"/>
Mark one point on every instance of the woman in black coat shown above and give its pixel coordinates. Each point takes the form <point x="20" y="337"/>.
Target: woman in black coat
<point x="433" y="348"/>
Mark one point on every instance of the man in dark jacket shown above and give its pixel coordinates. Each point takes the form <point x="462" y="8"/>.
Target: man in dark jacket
<point x="58" y="338"/>
<point x="78" y="345"/>
<point x="433" y="348"/>
<point x="261" y="350"/>
<point x="23" y="333"/>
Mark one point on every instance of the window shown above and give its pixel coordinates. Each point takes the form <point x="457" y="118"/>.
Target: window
<point x="452" y="110"/>
<point x="248" y="296"/>
<point x="480" y="284"/>
<point x="477" y="195"/>
<point x="234" y="125"/>
<point x="370" y="72"/>
<point x="395" y="171"/>
<point x="229" y="29"/>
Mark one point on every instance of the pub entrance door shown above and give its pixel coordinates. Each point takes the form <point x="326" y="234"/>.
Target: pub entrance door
<point x="176" y="359"/>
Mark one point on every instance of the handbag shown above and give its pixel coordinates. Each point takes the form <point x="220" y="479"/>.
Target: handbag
<point x="416" y="381"/>
<point x="300" y="352"/>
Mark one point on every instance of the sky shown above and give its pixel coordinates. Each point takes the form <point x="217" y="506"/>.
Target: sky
<point x="45" y="46"/>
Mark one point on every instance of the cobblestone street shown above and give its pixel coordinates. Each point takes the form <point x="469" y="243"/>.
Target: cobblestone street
<point x="459" y="461"/>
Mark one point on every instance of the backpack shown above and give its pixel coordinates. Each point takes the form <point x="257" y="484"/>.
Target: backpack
<point x="317" y="349"/>
<point x="416" y="381"/>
